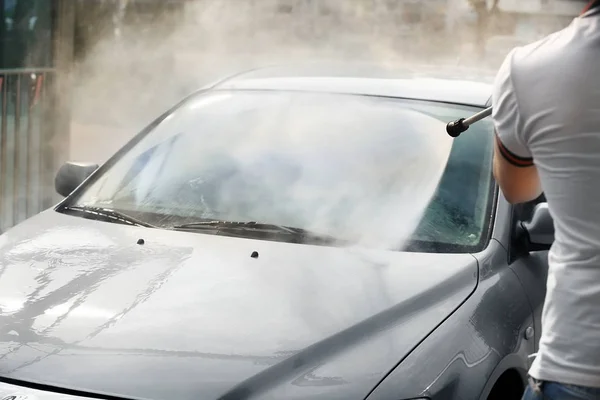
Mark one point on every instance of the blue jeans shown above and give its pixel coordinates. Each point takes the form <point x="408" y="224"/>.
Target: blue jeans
<point x="540" y="390"/>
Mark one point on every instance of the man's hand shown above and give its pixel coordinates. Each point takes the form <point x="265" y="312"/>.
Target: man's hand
<point x="518" y="178"/>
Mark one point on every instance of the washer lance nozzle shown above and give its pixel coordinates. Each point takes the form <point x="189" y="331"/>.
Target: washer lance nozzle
<point x="455" y="128"/>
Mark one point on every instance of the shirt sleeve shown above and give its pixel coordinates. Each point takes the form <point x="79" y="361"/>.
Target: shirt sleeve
<point x="507" y="119"/>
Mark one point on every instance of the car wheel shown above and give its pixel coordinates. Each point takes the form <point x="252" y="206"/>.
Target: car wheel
<point x="508" y="387"/>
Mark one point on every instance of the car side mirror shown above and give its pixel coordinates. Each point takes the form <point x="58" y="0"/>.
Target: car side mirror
<point x="71" y="175"/>
<point x="539" y="230"/>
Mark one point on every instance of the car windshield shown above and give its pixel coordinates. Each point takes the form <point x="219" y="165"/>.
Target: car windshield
<point x="346" y="166"/>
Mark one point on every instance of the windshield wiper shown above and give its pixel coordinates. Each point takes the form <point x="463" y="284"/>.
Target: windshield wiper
<point x="233" y="224"/>
<point x="253" y="226"/>
<point x="109" y="214"/>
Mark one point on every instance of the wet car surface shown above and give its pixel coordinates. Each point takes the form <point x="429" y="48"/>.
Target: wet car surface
<point x="108" y="294"/>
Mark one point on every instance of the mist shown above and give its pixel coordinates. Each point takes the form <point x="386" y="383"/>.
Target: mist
<point x="129" y="77"/>
<point x="135" y="73"/>
<point x="359" y="170"/>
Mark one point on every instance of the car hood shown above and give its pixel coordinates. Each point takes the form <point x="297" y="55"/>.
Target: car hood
<point x="85" y="306"/>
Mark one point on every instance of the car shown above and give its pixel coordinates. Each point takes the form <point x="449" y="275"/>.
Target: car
<point x="182" y="268"/>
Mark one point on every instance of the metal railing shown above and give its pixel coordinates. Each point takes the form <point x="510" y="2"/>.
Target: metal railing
<point x="25" y="134"/>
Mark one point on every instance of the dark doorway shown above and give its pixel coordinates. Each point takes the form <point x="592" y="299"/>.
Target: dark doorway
<point x="25" y="33"/>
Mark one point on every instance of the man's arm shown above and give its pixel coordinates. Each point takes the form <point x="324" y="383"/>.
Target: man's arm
<point x="518" y="179"/>
<point x="514" y="168"/>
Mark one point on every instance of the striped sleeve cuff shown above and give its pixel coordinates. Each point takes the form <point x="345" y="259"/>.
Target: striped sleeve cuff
<point x="512" y="158"/>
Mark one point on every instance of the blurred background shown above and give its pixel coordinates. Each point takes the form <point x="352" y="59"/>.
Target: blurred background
<point x="78" y="78"/>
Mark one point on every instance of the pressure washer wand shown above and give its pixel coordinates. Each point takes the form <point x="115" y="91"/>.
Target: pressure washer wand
<point x="457" y="127"/>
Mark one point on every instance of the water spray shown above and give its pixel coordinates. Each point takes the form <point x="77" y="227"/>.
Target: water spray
<point x="455" y="128"/>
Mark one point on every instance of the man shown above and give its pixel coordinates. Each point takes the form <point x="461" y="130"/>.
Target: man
<point x="546" y="103"/>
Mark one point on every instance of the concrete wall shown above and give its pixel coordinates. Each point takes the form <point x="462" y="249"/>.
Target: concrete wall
<point x="544" y="7"/>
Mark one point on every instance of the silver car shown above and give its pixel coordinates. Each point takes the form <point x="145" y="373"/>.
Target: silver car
<point x="188" y="267"/>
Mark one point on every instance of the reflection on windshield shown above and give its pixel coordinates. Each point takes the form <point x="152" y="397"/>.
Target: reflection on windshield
<point x="354" y="168"/>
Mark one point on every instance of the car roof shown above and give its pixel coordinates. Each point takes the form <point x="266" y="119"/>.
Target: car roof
<point x="455" y="90"/>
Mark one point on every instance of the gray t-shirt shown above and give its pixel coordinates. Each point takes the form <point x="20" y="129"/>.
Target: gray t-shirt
<point x="547" y="111"/>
